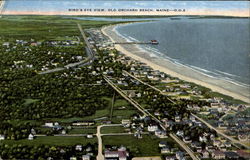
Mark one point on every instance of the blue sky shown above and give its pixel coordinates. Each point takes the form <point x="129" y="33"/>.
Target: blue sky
<point x="64" y="5"/>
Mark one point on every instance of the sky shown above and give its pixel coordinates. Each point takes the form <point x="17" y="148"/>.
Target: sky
<point x="63" y="5"/>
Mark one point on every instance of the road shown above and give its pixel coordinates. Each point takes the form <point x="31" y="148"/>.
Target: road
<point x="184" y="146"/>
<point x="87" y="61"/>
<point x="233" y="141"/>
<point x="147" y="85"/>
<point x="100" y="155"/>
<point x="140" y="108"/>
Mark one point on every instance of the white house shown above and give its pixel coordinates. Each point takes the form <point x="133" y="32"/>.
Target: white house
<point x="152" y="128"/>
<point x="2" y="137"/>
<point x="31" y="137"/>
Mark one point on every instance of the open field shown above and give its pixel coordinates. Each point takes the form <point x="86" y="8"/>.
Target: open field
<point x="147" y="146"/>
<point x="51" y="140"/>
<point x="82" y="131"/>
<point x="42" y="27"/>
<point x="113" y="129"/>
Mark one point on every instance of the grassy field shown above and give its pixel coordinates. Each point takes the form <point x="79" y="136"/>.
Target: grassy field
<point x="52" y="140"/>
<point x="82" y="131"/>
<point x="147" y="146"/>
<point x="43" y="27"/>
<point x="113" y="129"/>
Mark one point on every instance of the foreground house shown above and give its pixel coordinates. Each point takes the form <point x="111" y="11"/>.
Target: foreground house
<point x="120" y="154"/>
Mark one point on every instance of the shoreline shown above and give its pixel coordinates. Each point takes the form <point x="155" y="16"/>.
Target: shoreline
<point x="170" y="68"/>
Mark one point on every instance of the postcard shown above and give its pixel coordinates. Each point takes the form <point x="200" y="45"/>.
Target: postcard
<point x="124" y="80"/>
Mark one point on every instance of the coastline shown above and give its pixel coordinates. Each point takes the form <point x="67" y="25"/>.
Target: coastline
<point x="174" y="70"/>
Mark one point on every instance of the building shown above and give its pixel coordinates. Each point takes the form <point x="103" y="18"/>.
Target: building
<point x="78" y="148"/>
<point x="162" y="144"/>
<point x="120" y="155"/>
<point x="218" y="155"/>
<point x="165" y="150"/>
<point x="83" y="123"/>
<point x="179" y="155"/>
<point x="89" y="135"/>
<point x="243" y="154"/>
<point x="2" y="137"/>
<point x="126" y="121"/>
<point x="86" y="157"/>
<point x="49" y="124"/>
<point x="30" y="137"/>
<point x="205" y="154"/>
<point x="231" y="155"/>
<point x="152" y="128"/>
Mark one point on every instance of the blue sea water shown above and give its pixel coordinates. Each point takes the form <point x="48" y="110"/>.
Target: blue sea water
<point x="216" y="47"/>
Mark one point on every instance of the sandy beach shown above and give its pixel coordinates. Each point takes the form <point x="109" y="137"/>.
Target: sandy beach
<point x="174" y="70"/>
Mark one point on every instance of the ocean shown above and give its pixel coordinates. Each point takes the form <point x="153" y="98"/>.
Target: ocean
<point x="215" y="47"/>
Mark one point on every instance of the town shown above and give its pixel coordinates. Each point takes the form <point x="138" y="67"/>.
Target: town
<point x="108" y="106"/>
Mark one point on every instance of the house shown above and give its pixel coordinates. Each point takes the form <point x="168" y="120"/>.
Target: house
<point x="202" y="139"/>
<point x="179" y="155"/>
<point x="63" y="131"/>
<point x="243" y="137"/>
<point x="243" y="154"/>
<point x="73" y="158"/>
<point x="33" y="131"/>
<point x="216" y="143"/>
<point x="78" y="148"/>
<point x="83" y="123"/>
<point x="180" y="133"/>
<point x="152" y="128"/>
<point x="2" y="137"/>
<point x="160" y="133"/>
<point x="170" y="157"/>
<point x="227" y="144"/>
<point x="218" y="155"/>
<point x="165" y="150"/>
<point x="30" y="137"/>
<point x="89" y="135"/>
<point x="86" y="157"/>
<point x="6" y="44"/>
<point x="126" y="121"/>
<point x="231" y="155"/>
<point x="120" y="155"/>
<point x="162" y="144"/>
<point x="205" y="154"/>
<point x="187" y="139"/>
<point x="49" y="124"/>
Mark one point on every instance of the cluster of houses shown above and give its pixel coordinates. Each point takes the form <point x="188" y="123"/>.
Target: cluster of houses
<point x="99" y="40"/>
<point x="215" y="148"/>
<point x="112" y="153"/>
<point x="227" y="117"/>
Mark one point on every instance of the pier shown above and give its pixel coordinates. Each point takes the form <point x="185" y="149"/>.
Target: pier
<point x="153" y="42"/>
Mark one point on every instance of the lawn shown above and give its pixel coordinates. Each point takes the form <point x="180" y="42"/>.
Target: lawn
<point x="53" y="140"/>
<point x="147" y="146"/>
<point x="120" y="103"/>
<point x="82" y="131"/>
<point x="112" y="129"/>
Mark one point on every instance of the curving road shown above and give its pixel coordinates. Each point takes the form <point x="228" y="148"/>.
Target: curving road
<point x="87" y="61"/>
